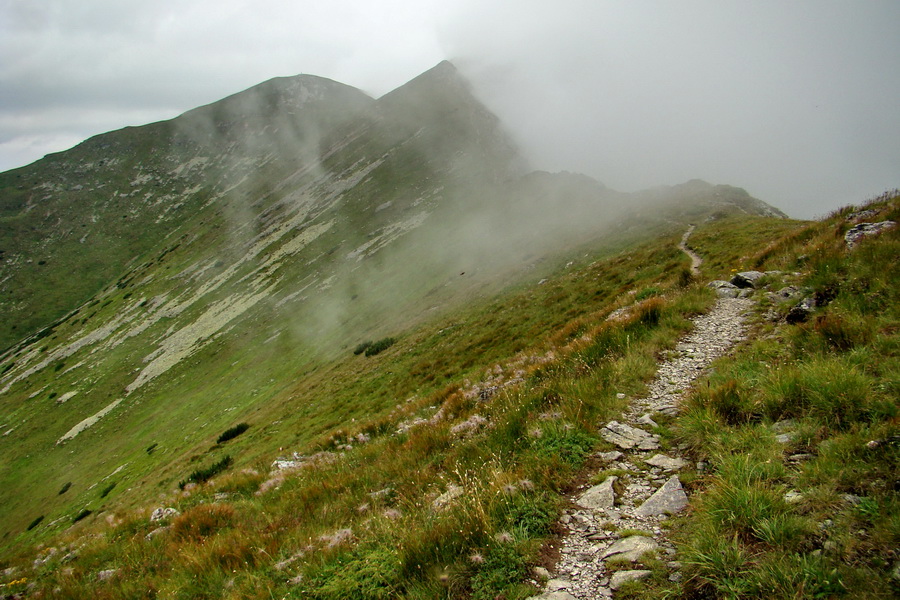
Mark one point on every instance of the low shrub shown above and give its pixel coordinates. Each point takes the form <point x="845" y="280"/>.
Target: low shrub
<point x="532" y="514"/>
<point x="35" y="523"/>
<point x="83" y="514"/>
<point x="233" y="432"/>
<point x="379" y="346"/>
<point x="685" y="278"/>
<point x="107" y="490"/>
<point x="563" y="443"/>
<point x="65" y="488"/>
<point x="202" y="475"/>
<point x="362" y="347"/>
<point x="371" y="573"/>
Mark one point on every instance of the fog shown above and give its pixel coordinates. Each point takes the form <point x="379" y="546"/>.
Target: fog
<point x="795" y="102"/>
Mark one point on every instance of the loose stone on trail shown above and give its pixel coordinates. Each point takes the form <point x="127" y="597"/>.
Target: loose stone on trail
<point x="599" y="497"/>
<point x="669" y="499"/>
<point x="589" y="543"/>
<point x="628" y="437"/>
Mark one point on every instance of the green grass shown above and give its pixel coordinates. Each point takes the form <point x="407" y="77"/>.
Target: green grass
<point x="360" y="520"/>
<point x="833" y="376"/>
<point x="512" y="470"/>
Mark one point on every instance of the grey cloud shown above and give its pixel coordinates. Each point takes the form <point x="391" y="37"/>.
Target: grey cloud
<point x="793" y="101"/>
<point x="789" y="100"/>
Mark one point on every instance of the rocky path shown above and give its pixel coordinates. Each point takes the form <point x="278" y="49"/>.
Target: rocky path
<point x="696" y="261"/>
<point x="615" y="522"/>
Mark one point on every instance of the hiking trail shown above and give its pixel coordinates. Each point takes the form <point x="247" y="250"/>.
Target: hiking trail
<point x="648" y="489"/>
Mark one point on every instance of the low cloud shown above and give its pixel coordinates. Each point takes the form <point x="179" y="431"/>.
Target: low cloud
<point x="793" y="101"/>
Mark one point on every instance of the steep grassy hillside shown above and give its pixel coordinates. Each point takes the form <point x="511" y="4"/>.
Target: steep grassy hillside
<point x="219" y="267"/>
<point x="438" y="467"/>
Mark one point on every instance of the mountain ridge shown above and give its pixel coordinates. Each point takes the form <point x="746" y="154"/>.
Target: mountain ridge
<point x="191" y="275"/>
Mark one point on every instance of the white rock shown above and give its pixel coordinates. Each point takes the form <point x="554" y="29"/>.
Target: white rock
<point x="669" y="499"/>
<point x="599" y="497"/>
<point x="666" y="463"/>
<point x="627" y="437"/>
<point x="163" y="513"/>
<point x="630" y="548"/>
<point x="620" y="577"/>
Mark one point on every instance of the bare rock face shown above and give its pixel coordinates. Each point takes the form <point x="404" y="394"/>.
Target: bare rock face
<point x="862" y="230"/>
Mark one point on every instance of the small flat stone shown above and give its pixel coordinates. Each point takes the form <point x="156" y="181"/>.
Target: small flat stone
<point x="784" y="425"/>
<point x="608" y="457"/>
<point x="647" y="420"/>
<point x="156" y="532"/>
<point x="669" y="499"/>
<point x="558" y="584"/>
<point x="627" y="437"/>
<point x="800" y="457"/>
<point x="630" y="548"/>
<point x="666" y="463"/>
<point x="793" y="497"/>
<point x="559" y="595"/>
<point x="600" y="497"/>
<point x="785" y="438"/>
<point x="620" y="577"/>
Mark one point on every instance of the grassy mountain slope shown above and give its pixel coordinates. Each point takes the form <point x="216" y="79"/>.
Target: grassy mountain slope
<point x="229" y="262"/>
<point x="469" y="430"/>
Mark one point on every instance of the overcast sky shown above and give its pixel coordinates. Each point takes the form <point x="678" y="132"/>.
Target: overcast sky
<point x="798" y="102"/>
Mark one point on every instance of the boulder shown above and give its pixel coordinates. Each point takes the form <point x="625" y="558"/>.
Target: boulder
<point x="800" y="313"/>
<point x="724" y="289"/>
<point x="747" y="279"/>
<point x="161" y="514"/>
